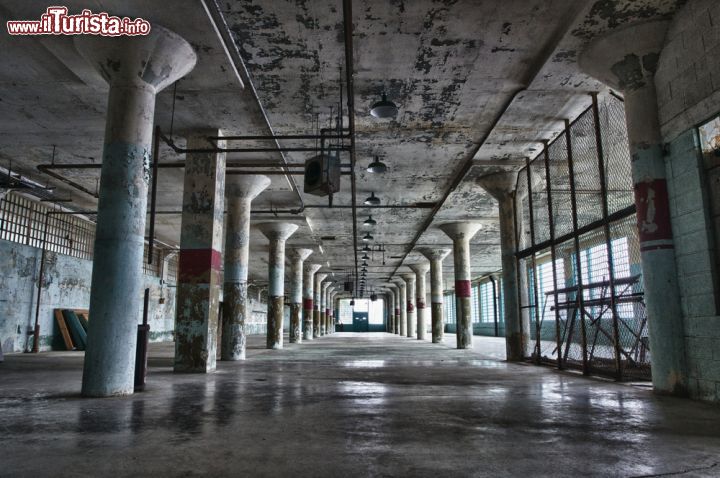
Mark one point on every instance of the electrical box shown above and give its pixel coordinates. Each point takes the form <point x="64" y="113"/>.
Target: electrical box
<point x="373" y="297"/>
<point x="322" y="175"/>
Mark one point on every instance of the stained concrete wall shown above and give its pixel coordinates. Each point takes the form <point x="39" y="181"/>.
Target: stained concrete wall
<point x="66" y="284"/>
<point x="688" y="85"/>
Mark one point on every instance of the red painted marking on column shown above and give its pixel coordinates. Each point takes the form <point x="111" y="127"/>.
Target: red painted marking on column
<point x="410" y="307"/>
<point x="327" y="311"/>
<point x="653" y="214"/>
<point x="462" y="288"/>
<point x="397" y="311"/>
<point x="420" y="304"/>
<point x="307" y="304"/>
<point x="196" y="265"/>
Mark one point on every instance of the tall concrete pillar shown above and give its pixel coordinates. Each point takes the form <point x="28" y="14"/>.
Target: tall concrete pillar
<point x="390" y="306"/>
<point x="200" y="259"/>
<point x="410" y="317"/>
<point x="436" y="257"/>
<point x="402" y="304"/>
<point x="319" y="278"/>
<point x="277" y="233"/>
<point x="324" y="307"/>
<point x="501" y="186"/>
<point x="420" y="269"/>
<point x="331" y="307"/>
<point x="308" y="286"/>
<point x="297" y="259"/>
<point x="116" y="285"/>
<point x="625" y="59"/>
<point x="238" y="196"/>
<point x="461" y="233"/>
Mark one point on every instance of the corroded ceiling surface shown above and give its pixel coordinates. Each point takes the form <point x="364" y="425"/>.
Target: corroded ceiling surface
<point x="474" y="81"/>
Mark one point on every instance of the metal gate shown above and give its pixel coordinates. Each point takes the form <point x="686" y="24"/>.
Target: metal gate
<point x="578" y="253"/>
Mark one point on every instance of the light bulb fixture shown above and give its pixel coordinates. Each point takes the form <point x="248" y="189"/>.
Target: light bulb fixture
<point x="369" y="222"/>
<point x="367" y="237"/>
<point x="365" y="257"/>
<point x="372" y="200"/>
<point x="366" y="248"/>
<point x="352" y="302"/>
<point x="364" y="264"/>
<point x="383" y="108"/>
<point x="377" y="166"/>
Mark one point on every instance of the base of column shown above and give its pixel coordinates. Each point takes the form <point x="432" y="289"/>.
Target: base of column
<point x="438" y="328"/>
<point x="464" y="324"/>
<point x="233" y="322"/>
<point x="316" y="324"/>
<point x="295" y="324"/>
<point x="307" y="333"/>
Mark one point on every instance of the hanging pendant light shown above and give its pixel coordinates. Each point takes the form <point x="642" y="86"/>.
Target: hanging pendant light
<point x="369" y="222"/>
<point x="372" y="200"/>
<point x="384" y="108"/>
<point x="365" y="257"/>
<point x="367" y="237"/>
<point x="365" y="248"/>
<point x="377" y="166"/>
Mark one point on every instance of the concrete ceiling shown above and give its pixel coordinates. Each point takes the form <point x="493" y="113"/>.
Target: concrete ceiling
<point x="474" y="81"/>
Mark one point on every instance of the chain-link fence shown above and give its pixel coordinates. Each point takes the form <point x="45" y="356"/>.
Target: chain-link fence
<point x="578" y="250"/>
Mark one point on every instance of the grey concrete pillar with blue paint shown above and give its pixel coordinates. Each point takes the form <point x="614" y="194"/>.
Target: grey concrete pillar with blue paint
<point x="410" y="316"/>
<point x="461" y="233"/>
<point x="239" y="194"/>
<point x="277" y="233"/>
<point x="324" y="307"/>
<point x="297" y="260"/>
<point x="136" y="68"/>
<point x="200" y="260"/>
<point x="308" y="299"/>
<point x="317" y="292"/>
<point x="501" y="186"/>
<point x="625" y="59"/>
<point x="402" y="305"/>
<point x="436" y="257"/>
<point x="421" y="269"/>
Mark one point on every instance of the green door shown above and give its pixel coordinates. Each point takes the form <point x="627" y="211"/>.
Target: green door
<point x="360" y="322"/>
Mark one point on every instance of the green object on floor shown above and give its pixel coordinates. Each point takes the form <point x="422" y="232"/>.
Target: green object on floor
<point x="79" y="336"/>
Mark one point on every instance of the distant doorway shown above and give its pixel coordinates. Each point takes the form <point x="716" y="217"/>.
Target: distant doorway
<point x="360" y="322"/>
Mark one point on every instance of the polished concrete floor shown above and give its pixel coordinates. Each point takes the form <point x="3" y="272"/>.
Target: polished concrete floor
<point x="349" y="405"/>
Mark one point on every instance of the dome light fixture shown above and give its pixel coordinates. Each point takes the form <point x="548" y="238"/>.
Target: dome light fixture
<point x="384" y="108"/>
<point x="367" y="237"/>
<point x="372" y="200"/>
<point x="365" y="257"/>
<point x="369" y="222"/>
<point x="364" y="264"/>
<point x="365" y="248"/>
<point x="377" y="166"/>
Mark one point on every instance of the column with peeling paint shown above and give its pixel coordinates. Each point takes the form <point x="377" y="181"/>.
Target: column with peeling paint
<point x="297" y="260"/>
<point x="626" y="59"/>
<point x="198" y="283"/>
<point x="402" y="305"/>
<point x="410" y="317"/>
<point x="239" y="193"/>
<point x="319" y="278"/>
<point x="277" y="233"/>
<point x="141" y="67"/>
<point x="461" y="233"/>
<point x="324" y="307"/>
<point x="436" y="257"/>
<point x="501" y="186"/>
<point x="308" y="309"/>
<point x="420" y="269"/>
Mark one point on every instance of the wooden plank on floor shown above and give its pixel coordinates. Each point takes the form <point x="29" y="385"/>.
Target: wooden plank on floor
<point x="63" y="329"/>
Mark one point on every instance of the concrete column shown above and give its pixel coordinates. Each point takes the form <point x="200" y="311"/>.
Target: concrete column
<point x="116" y="285"/>
<point x="319" y="278"/>
<point x="461" y="233"/>
<point x="239" y="195"/>
<point x="324" y="307"/>
<point x="331" y="307"/>
<point x="501" y="186"/>
<point x="410" y="317"/>
<point x="390" y="306"/>
<point x="421" y="269"/>
<point x="436" y="257"/>
<point x="297" y="259"/>
<point x="625" y="59"/>
<point x="308" y="287"/>
<point x="277" y="233"/>
<point x="402" y="305"/>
